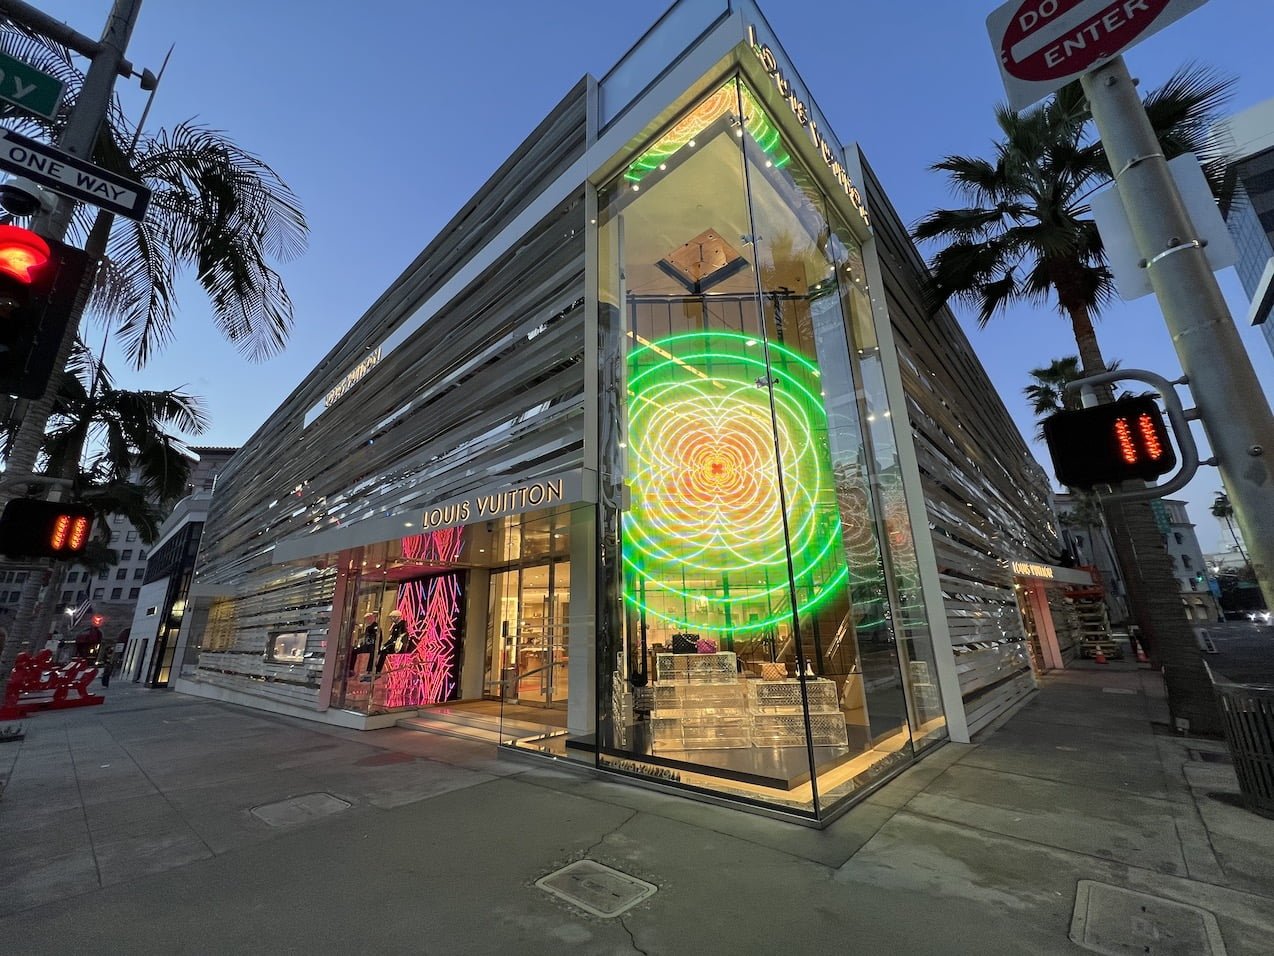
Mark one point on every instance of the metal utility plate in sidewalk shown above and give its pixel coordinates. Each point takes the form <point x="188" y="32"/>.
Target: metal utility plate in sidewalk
<point x="596" y="888"/>
<point x="308" y="806"/>
<point x="1115" y="921"/>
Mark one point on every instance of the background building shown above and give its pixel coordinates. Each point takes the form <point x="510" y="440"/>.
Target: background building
<point x="1086" y="538"/>
<point x="1188" y="563"/>
<point x="113" y="594"/>
<point x="152" y="645"/>
<point x="1247" y="139"/>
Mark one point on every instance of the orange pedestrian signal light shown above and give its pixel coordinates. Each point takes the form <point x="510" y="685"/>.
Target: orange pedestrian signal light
<point x="70" y="532"/>
<point x="45" y="529"/>
<point x="1126" y="440"/>
<point x="22" y="253"/>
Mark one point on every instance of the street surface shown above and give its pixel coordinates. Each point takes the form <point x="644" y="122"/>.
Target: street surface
<point x="1245" y="651"/>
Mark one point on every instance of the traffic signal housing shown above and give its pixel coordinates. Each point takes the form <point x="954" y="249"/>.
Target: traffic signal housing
<point x="1125" y="440"/>
<point x="30" y="528"/>
<point x="39" y="280"/>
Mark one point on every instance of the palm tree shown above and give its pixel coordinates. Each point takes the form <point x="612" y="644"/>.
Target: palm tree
<point x="1047" y="393"/>
<point x="216" y="210"/>
<point x="115" y="449"/>
<point x="1221" y="508"/>
<point x="1027" y="237"/>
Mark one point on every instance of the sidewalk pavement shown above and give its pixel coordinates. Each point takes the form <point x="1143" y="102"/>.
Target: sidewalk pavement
<point x="130" y="827"/>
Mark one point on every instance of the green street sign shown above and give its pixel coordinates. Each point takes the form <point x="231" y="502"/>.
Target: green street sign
<point x="25" y="86"/>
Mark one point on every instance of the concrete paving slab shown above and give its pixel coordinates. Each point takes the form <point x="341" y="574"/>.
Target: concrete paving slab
<point x="474" y="755"/>
<point x="991" y="874"/>
<point x="720" y="895"/>
<point x="1243" y="841"/>
<point x="56" y="836"/>
<point x="452" y="844"/>
<point x="1062" y="758"/>
<point x="167" y="845"/>
<point x="454" y="874"/>
<point x="831" y="846"/>
<point x="49" y="878"/>
<point x="1128" y="828"/>
<point x="118" y="779"/>
<point x="59" y="796"/>
<point x="397" y="784"/>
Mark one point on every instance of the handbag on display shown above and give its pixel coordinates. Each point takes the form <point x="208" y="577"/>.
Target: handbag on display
<point x="706" y="645"/>
<point x="772" y="671"/>
<point x="685" y="643"/>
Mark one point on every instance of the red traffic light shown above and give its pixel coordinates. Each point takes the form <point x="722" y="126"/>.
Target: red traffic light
<point x="45" y="529"/>
<point x="22" y="253"/>
<point x="1106" y="444"/>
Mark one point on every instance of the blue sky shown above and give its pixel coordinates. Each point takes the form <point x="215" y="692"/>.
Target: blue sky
<point x="384" y="117"/>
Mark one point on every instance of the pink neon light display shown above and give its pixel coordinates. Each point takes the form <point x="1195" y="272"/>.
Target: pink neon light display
<point x="431" y="610"/>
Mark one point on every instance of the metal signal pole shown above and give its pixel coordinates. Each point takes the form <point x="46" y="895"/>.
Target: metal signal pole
<point x="1232" y="406"/>
<point x="78" y="137"/>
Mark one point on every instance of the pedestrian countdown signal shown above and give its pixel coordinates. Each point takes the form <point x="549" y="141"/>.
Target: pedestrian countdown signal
<point x="30" y="528"/>
<point x="1126" y="440"/>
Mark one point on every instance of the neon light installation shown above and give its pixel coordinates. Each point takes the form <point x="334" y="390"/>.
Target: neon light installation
<point x="703" y="542"/>
<point x="431" y="609"/>
<point x="724" y="102"/>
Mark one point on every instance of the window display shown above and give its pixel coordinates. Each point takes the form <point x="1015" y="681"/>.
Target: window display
<point x="402" y="650"/>
<point x="287" y="647"/>
<point x="750" y="522"/>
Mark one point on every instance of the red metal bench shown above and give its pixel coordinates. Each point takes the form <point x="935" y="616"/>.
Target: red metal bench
<point x="37" y="684"/>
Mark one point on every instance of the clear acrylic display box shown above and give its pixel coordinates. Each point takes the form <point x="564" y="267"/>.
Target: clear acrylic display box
<point x="784" y="696"/>
<point x="697" y="668"/>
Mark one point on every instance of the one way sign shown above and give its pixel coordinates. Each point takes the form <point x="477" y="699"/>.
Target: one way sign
<point x="72" y="176"/>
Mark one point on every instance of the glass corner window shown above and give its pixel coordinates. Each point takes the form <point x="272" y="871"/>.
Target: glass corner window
<point x="752" y="601"/>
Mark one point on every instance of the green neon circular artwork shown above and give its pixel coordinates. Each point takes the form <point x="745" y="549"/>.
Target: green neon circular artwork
<point x="704" y="543"/>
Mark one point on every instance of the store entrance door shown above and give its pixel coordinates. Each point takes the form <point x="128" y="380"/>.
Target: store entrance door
<point x="527" y="635"/>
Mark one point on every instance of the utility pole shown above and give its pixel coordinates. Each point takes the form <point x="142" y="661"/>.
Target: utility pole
<point x="78" y="137"/>
<point x="1232" y="406"/>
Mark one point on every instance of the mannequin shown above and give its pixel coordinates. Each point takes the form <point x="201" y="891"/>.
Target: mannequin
<point x="367" y="643"/>
<point x="399" y="642"/>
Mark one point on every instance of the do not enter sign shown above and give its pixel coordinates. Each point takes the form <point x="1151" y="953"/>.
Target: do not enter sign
<point x="1044" y="44"/>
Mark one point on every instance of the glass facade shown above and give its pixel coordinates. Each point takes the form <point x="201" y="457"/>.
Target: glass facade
<point x="761" y="631"/>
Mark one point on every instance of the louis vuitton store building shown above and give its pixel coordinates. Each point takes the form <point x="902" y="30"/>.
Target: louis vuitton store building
<point x="651" y="460"/>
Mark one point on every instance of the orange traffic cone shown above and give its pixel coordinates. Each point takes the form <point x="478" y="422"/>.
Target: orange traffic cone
<point x="1099" y="656"/>
<point x="1141" y="656"/>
